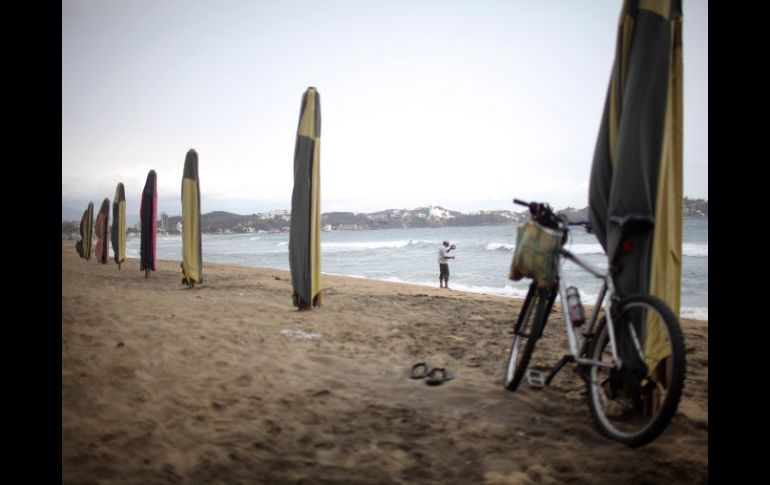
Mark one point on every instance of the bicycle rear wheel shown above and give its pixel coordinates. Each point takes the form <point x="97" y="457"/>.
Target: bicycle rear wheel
<point x="527" y="331"/>
<point x="634" y="404"/>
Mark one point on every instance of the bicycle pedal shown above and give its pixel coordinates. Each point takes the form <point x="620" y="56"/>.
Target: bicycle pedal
<point x="535" y="379"/>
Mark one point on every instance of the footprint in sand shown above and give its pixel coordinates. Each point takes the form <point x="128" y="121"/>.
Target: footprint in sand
<point x="243" y="380"/>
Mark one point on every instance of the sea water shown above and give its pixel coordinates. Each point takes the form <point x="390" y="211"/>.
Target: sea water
<point x="483" y="256"/>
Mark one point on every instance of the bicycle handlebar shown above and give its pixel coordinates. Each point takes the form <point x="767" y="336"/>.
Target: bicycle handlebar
<point x="542" y="213"/>
<point x="535" y="208"/>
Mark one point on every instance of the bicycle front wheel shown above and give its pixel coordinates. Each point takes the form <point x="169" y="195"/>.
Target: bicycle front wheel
<point x="635" y="403"/>
<point x="526" y="332"/>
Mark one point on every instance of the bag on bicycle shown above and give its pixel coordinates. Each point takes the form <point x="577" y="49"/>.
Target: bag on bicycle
<point x="537" y="254"/>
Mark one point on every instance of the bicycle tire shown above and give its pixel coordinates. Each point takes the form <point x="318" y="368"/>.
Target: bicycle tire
<point x="604" y="387"/>
<point x="527" y="331"/>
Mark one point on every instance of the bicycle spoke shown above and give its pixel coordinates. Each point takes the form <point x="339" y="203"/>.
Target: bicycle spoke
<point x="635" y="338"/>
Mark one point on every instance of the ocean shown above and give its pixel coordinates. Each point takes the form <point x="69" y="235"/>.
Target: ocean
<point x="483" y="256"/>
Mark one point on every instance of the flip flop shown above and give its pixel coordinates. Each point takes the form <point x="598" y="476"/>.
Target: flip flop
<point x="419" y="370"/>
<point x="438" y="376"/>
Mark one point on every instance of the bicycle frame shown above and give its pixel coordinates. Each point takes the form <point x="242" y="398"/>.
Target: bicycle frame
<point x="607" y="296"/>
<point x="577" y="345"/>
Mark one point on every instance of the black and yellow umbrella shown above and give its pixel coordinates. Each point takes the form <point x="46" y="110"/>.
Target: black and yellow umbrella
<point x="83" y="246"/>
<point x="102" y="231"/>
<point x="148" y="215"/>
<point x="637" y="165"/>
<point x="192" y="255"/>
<point x="305" y="235"/>
<point x="118" y="233"/>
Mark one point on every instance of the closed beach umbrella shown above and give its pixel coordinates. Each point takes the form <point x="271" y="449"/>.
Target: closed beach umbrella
<point x="102" y="230"/>
<point x="83" y="246"/>
<point x="192" y="256"/>
<point x="305" y="235"/>
<point x="118" y="234"/>
<point x="148" y="214"/>
<point x="637" y="165"/>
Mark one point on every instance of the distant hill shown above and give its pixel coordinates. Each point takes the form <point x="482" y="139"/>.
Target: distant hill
<point x="420" y="217"/>
<point x="693" y="209"/>
<point x="696" y="208"/>
<point x="276" y="221"/>
<point x="221" y="222"/>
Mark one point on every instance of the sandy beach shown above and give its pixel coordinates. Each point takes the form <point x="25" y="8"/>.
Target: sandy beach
<point x="228" y="383"/>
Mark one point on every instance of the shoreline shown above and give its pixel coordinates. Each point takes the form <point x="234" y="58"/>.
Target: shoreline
<point x="587" y="306"/>
<point x="694" y="303"/>
<point x="416" y="286"/>
<point x="229" y="383"/>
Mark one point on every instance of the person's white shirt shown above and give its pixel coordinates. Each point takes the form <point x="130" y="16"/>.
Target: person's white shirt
<point x="443" y="255"/>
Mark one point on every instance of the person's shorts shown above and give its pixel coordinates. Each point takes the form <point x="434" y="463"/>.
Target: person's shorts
<point x="444" y="271"/>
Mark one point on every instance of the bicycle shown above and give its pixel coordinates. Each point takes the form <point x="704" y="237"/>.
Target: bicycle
<point x="632" y="397"/>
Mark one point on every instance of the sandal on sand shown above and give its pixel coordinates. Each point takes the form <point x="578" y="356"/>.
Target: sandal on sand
<point x="419" y="370"/>
<point x="438" y="376"/>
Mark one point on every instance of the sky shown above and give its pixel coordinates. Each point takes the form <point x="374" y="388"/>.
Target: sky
<point x="459" y="104"/>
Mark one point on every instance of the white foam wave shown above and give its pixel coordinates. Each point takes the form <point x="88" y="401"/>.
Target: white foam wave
<point x="507" y="290"/>
<point x="368" y="245"/>
<point x="423" y="241"/>
<point x="696" y="313"/>
<point x="695" y="250"/>
<point x="345" y="275"/>
<point x="500" y="247"/>
<point x="362" y="246"/>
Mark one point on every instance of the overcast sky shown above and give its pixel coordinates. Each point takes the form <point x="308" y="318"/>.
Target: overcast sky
<point x="463" y="104"/>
